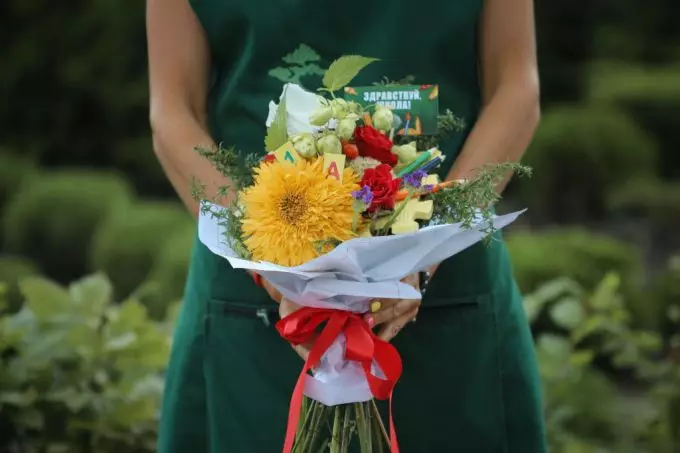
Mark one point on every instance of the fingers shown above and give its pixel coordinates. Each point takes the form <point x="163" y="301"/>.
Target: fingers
<point x="273" y="292"/>
<point x="392" y="328"/>
<point x="413" y="280"/>
<point x="287" y="307"/>
<point x="394" y="309"/>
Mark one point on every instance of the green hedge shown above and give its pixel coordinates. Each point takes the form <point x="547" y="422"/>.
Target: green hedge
<point x="14" y="170"/>
<point x="651" y="96"/>
<point x="53" y="220"/>
<point x="574" y="253"/>
<point x="650" y="198"/>
<point x="579" y="155"/>
<point x="168" y="276"/>
<point x="12" y="270"/>
<point x="126" y="247"/>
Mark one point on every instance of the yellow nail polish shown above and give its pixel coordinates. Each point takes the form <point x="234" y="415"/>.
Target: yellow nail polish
<point x="376" y="305"/>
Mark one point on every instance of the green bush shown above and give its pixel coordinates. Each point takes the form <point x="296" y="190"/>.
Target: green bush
<point x="651" y="96"/>
<point x="585" y="257"/>
<point x="649" y="198"/>
<point x="14" y="170"/>
<point x="586" y="409"/>
<point x="168" y="276"/>
<point x="12" y="270"/>
<point x="52" y="221"/>
<point x="80" y="373"/>
<point x="579" y="155"/>
<point x="665" y="296"/>
<point x="127" y="246"/>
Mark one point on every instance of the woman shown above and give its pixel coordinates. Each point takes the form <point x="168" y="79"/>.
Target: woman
<point x="470" y="381"/>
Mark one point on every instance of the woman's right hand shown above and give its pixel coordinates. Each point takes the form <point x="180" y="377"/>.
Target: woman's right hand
<point x="273" y="292"/>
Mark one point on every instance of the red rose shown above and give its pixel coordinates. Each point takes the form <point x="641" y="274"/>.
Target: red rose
<point x="383" y="186"/>
<point x="372" y="143"/>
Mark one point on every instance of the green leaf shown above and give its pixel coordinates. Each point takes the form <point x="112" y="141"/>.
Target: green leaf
<point x="567" y="313"/>
<point x="44" y="297"/>
<point x="343" y="70"/>
<point x="277" y="134"/>
<point x="302" y="55"/>
<point x="19" y="399"/>
<point x="582" y="358"/>
<point x="93" y="293"/>
<point x="121" y="342"/>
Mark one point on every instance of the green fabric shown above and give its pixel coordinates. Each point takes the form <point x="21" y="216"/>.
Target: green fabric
<point x="470" y="382"/>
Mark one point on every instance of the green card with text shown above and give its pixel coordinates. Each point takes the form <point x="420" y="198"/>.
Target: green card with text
<point x="416" y="105"/>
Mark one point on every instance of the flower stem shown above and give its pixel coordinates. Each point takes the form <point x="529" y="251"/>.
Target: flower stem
<point x="364" y="428"/>
<point x="346" y="436"/>
<point x="314" y="428"/>
<point x="335" y="439"/>
<point x="376" y="415"/>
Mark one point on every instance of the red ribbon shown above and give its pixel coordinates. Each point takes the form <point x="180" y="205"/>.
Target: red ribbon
<point x="362" y="346"/>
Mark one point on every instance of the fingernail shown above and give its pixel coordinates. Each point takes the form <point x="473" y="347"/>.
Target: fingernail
<point x="371" y="321"/>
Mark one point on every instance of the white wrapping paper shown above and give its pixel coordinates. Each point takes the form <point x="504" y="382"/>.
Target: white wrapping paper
<point x="348" y="278"/>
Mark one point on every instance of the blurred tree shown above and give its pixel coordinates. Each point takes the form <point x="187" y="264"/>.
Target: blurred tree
<point x="74" y="85"/>
<point x="564" y="31"/>
<point x="632" y="30"/>
<point x="579" y="155"/>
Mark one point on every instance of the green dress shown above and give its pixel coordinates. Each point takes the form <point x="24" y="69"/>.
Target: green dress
<point x="470" y="381"/>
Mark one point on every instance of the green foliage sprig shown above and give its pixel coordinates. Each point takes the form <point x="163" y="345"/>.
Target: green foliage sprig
<point x="464" y="202"/>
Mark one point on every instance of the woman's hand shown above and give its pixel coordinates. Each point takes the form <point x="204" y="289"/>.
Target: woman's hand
<point x="394" y="314"/>
<point x="287" y="307"/>
<point x="273" y="292"/>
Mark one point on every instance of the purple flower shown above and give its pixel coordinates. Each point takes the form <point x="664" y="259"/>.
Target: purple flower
<point x="414" y="179"/>
<point x="427" y="188"/>
<point x="364" y="195"/>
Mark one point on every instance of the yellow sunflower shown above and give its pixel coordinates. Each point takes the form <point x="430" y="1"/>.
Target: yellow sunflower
<point x="292" y="206"/>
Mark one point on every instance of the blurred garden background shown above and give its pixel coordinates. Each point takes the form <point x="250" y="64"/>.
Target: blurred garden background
<point x="90" y="287"/>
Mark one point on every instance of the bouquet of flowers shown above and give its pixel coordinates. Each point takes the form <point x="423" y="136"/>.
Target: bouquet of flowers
<point x="344" y="204"/>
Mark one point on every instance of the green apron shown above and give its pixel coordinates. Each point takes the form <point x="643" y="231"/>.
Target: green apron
<point x="470" y="382"/>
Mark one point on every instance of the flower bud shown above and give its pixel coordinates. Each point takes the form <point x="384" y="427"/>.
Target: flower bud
<point x="345" y="129"/>
<point x="405" y="153"/>
<point x="382" y="119"/>
<point x="340" y="108"/>
<point x="321" y="116"/>
<point x="329" y="144"/>
<point x="305" y="146"/>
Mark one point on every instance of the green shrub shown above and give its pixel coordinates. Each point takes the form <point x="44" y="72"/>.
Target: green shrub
<point x="14" y="170"/>
<point x="126" y="247"/>
<point x="585" y="257"/>
<point x="80" y="373"/>
<point x="650" y="198"/>
<point x="168" y="276"/>
<point x="587" y="410"/>
<point x="651" y="96"/>
<point x="12" y="270"/>
<point x="579" y="155"/>
<point x="52" y="220"/>
<point x="665" y="296"/>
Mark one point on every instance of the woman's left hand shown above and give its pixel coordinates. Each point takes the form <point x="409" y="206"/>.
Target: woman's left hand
<point x="393" y="314"/>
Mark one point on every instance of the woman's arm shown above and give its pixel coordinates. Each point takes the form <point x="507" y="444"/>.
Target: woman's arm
<point x="179" y="65"/>
<point x="510" y="89"/>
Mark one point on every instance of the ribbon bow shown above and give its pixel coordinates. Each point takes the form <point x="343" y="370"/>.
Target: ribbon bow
<point x="362" y="346"/>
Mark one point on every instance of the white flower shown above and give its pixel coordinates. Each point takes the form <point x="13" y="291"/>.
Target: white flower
<point x="300" y="105"/>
